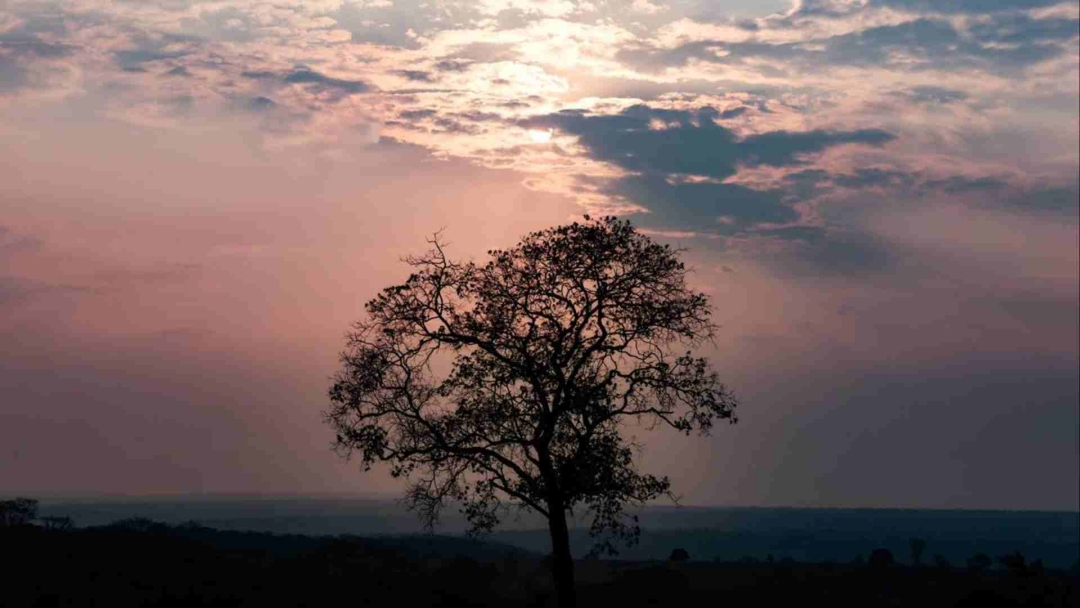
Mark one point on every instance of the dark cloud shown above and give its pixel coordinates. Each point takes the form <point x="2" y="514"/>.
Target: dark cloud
<point x="915" y="184"/>
<point x="932" y="94"/>
<point x="964" y="185"/>
<point x="314" y="80"/>
<point x="733" y="113"/>
<point x="20" y="45"/>
<point x="515" y="105"/>
<point x="477" y="116"/>
<point x="816" y="251"/>
<point x="987" y="190"/>
<point x="659" y="141"/>
<point x="875" y="177"/>
<point x="321" y="81"/>
<point x="17" y="51"/>
<point x="1000" y="41"/>
<point x="1064" y="199"/>
<point x="805" y="184"/>
<point x="260" y="75"/>
<point x="779" y="148"/>
<point x="453" y="65"/>
<point x="12" y="75"/>
<point x="417" y="114"/>
<point x="449" y="125"/>
<point x="135" y="58"/>
<point x="943" y="6"/>
<point x="660" y="145"/>
<point x="260" y="104"/>
<point x="701" y="206"/>
<point x="178" y="71"/>
<point x="416" y="75"/>
<point x="1023" y="30"/>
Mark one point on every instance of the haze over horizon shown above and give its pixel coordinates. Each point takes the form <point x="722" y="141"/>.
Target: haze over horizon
<point x="879" y="196"/>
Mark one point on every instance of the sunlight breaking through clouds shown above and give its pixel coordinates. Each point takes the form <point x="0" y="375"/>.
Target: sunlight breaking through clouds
<point x="464" y="75"/>
<point x="760" y="127"/>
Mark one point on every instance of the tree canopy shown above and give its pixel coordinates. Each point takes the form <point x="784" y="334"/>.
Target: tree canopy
<point x="550" y="346"/>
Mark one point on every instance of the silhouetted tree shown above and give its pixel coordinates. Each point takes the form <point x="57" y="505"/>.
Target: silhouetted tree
<point x="1018" y="565"/>
<point x="138" y="524"/>
<point x="679" y="556"/>
<point x="555" y="342"/>
<point x="18" y="511"/>
<point x="881" y="558"/>
<point x="59" y="524"/>
<point x="917" y="545"/>
<point x="979" y="562"/>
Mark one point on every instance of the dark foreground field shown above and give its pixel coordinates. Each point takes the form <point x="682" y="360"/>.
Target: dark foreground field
<point x="140" y="563"/>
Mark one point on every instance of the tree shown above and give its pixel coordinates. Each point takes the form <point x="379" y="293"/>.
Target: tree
<point x="918" y="546"/>
<point x="507" y="384"/>
<point x="679" y="555"/>
<point x="57" y="523"/>
<point x="18" y="511"/>
<point x="979" y="562"/>
<point x="881" y="558"/>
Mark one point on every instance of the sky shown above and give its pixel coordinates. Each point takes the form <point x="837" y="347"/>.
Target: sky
<point x="879" y="196"/>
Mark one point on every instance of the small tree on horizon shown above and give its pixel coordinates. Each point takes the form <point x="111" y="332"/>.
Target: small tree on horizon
<point x="554" y="342"/>
<point x="18" y="511"/>
<point x="918" y="546"/>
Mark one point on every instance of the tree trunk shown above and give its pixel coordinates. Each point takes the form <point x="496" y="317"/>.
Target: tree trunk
<point x="562" y="567"/>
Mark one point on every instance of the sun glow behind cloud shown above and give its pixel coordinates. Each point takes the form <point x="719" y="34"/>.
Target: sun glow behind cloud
<point x="540" y="137"/>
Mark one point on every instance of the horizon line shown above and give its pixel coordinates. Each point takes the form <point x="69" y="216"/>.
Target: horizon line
<point x="393" y="498"/>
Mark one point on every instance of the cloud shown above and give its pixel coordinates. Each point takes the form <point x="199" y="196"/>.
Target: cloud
<point x="679" y="159"/>
<point x="321" y="81"/>
<point x="934" y="94"/>
<point x="133" y="59"/>
<point x="261" y="104"/>
<point x="942" y="6"/>
<point x="700" y="206"/>
<point x="417" y="114"/>
<point x="26" y="61"/>
<point x="656" y="140"/>
<point x="825" y="252"/>
<point x="909" y="42"/>
<point x="1065" y="199"/>
<point x="416" y="75"/>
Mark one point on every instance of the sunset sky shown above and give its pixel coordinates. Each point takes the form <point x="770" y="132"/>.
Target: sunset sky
<point x="880" y="197"/>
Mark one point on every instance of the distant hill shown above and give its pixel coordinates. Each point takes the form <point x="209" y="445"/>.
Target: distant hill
<point x="708" y="533"/>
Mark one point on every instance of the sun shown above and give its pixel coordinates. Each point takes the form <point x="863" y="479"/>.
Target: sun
<point x="540" y="137"/>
